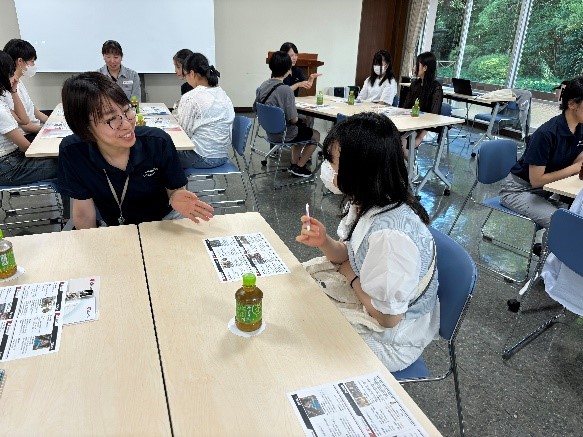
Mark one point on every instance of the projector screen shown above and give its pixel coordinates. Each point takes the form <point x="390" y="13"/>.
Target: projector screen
<point x="68" y="34"/>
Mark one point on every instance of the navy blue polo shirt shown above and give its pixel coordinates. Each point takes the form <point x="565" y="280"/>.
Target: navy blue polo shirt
<point x="552" y="145"/>
<point x="153" y="167"/>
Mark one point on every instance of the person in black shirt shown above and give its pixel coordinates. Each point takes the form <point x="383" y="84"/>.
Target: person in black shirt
<point x="425" y="88"/>
<point x="296" y="79"/>
<point x="553" y="152"/>
<point x="131" y="175"/>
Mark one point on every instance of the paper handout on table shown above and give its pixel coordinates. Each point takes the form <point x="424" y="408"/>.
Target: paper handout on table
<point x="162" y="123"/>
<point x="153" y="110"/>
<point x="31" y="320"/>
<point x="238" y="254"/>
<point x="55" y="129"/>
<point x="82" y="300"/>
<point x="361" y="406"/>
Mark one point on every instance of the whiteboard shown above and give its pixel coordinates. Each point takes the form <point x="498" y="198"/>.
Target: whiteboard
<point x="68" y="34"/>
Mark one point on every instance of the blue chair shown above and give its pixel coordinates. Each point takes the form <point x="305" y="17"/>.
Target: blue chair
<point x="507" y="116"/>
<point x="564" y="240"/>
<point x="457" y="276"/>
<point x="41" y="205"/>
<point x="396" y="101"/>
<point x="241" y="130"/>
<point x="494" y="161"/>
<point x="341" y="117"/>
<point x="272" y="120"/>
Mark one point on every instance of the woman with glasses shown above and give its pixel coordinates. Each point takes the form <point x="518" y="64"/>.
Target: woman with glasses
<point x="24" y="56"/>
<point x="15" y="167"/>
<point x="131" y="175"/>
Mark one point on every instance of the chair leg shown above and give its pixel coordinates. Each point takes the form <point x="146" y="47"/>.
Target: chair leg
<point x="458" y="396"/>
<point x="462" y="208"/>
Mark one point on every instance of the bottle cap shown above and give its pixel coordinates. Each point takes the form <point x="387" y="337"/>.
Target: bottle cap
<point x="134" y="98"/>
<point x="249" y="280"/>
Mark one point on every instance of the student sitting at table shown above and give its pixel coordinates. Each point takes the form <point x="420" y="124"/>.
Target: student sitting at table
<point x="272" y="93"/>
<point x="381" y="85"/>
<point x="127" y="79"/>
<point x="554" y="151"/>
<point x="178" y="61"/>
<point x="296" y="79"/>
<point x="131" y="175"/>
<point x="425" y="88"/>
<point x="24" y="56"/>
<point x="15" y="167"/>
<point x="206" y="114"/>
<point x="383" y="266"/>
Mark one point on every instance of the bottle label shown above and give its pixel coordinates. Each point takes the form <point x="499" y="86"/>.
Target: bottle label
<point x="7" y="261"/>
<point x="248" y="314"/>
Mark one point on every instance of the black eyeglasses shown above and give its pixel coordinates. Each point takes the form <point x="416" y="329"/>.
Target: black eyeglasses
<point x="116" y="121"/>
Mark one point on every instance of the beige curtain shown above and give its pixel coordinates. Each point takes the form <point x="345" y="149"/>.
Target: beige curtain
<point x="417" y="15"/>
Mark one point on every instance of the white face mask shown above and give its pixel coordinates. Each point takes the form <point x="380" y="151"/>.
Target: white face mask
<point x="30" y="71"/>
<point x="327" y="174"/>
<point x="378" y="69"/>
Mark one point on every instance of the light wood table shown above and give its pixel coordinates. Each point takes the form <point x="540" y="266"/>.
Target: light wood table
<point x="404" y="123"/>
<point x="569" y="187"/>
<point x="106" y="378"/>
<point x="221" y="384"/>
<point x="43" y="147"/>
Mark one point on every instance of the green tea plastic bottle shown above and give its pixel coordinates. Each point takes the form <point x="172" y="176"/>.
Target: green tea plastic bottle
<point x="415" y="109"/>
<point x="249" y="300"/>
<point x="7" y="262"/>
<point x="351" y="98"/>
<point x="320" y="98"/>
<point x="135" y="104"/>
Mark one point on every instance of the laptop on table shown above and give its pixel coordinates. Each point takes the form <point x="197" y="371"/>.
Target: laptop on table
<point x="463" y="86"/>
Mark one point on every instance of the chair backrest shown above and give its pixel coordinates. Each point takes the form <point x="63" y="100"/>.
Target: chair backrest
<point x="495" y="159"/>
<point x="445" y="109"/>
<point x="396" y="101"/>
<point x="241" y="129"/>
<point x="457" y="274"/>
<point x="271" y="118"/>
<point x="565" y="239"/>
<point x="341" y="117"/>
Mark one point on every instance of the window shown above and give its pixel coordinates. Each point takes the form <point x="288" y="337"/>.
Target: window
<point x="446" y="35"/>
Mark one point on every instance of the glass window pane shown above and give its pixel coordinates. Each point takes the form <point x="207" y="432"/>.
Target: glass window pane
<point x="553" y="49"/>
<point x="446" y="34"/>
<point x="490" y="40"/>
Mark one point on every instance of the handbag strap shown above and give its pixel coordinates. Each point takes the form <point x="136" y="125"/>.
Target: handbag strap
<point x="263" y="100"/>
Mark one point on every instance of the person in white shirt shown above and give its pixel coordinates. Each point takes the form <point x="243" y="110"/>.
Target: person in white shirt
<point x="15" y="168"/>
<point x="385" y="256"/>
<point x="24" y="56"/>
<point x="206" y="114"/>
<point x="381" y="85"/>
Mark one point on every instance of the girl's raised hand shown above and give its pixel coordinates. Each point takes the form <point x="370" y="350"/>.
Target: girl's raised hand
<point x="315" y="236"/>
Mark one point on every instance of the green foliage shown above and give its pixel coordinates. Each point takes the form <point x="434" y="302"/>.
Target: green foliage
<point x="531" y="83"/>
<point x="489" y="68"/>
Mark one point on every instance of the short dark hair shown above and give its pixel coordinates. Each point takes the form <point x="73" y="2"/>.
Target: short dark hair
<point x="198" y="63"/>
<point x="111" y="46"/>
<point x="279" y="63"/>
<point x="377" y="59"/>
<point x="7" y="69"/>
<point x="85" y="96"/>
<point x="288" y="45"/>
<point x="371" y="168"/>
<point x="573" y="91"/>
<point x="19" y="48"/>
<point x="181" y="56"/>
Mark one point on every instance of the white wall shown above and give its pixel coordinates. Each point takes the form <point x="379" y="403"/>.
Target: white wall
<point x="244" y="32"/>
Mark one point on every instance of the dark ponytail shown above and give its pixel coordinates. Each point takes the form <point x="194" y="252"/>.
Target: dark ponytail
<point x="573" y="91"/>
<point x="198" y="63"/>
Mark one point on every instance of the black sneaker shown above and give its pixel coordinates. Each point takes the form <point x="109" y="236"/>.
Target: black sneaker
<point x="301" y="172"/>
<point x="537" y="249"/>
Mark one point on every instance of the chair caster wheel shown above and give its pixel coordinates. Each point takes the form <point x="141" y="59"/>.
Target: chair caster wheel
<point x="513" y="305"/>
<point x="473" y="154"/>
<point x="446" y="192"/>
<point x="264" y="162"/>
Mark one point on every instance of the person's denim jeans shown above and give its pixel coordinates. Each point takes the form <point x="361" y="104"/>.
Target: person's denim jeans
<point x="17" y="169"/>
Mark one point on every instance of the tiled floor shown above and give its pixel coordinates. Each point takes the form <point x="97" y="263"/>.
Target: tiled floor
<point x="539" y="391"/>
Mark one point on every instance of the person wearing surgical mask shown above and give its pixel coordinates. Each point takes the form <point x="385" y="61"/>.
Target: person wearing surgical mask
<point x="381" y="85"/>
<point x="385" y="255"/>
<point x="24" y="56"/>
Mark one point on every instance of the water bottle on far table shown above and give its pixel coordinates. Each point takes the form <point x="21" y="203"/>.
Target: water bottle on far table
<point x="415" y="109"/>
<point x="351" y="98"/>
<point x="320" y="98"/>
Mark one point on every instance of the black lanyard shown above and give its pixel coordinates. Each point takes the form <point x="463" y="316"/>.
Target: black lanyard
<point x="123" y="195"/>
